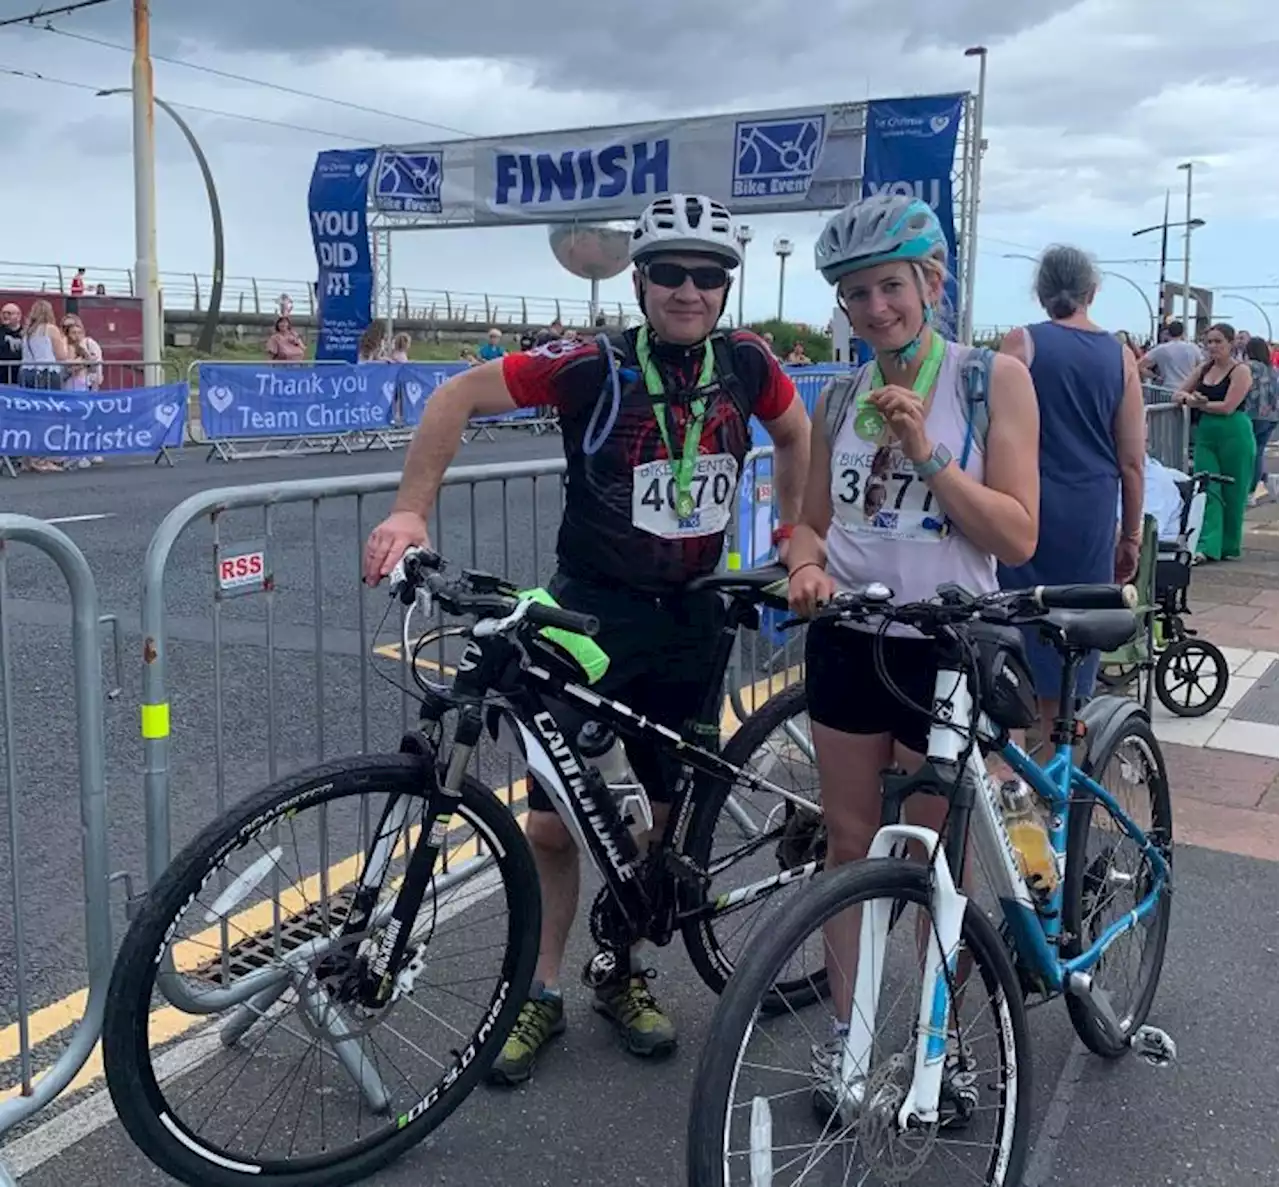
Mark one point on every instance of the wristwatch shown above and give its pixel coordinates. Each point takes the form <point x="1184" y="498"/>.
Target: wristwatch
<point x="935" y="463"/>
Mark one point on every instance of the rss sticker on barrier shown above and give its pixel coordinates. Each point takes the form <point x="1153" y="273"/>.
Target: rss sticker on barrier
<point x="241" y="569"/>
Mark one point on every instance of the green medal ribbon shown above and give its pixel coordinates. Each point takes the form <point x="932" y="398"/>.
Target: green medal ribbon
<point x="868" y="422"/>
<point x="682" y="467"/>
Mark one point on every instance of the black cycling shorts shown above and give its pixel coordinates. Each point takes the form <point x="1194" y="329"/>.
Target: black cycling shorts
<point x="661" y="651"/>
<point x="844" y="692"/>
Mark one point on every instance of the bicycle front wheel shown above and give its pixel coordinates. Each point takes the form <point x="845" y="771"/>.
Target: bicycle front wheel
<point x="301" y="1083"/>
<point x="761" y="1080"/>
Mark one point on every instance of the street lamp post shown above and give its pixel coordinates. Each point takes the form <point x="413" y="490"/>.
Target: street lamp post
<point x="1186" y="256"/>
<point x="1266" y="320"/>
<point x="743" y="234"/>
<point x="1163" y="228"/>
<point x="971" y="247"/>
<point x="208" y="331"/>
<point x="144" y="190"/>
<point x="782" y="247"/>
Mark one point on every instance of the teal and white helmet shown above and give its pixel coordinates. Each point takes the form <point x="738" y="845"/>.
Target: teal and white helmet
<point x="878" y="230"/>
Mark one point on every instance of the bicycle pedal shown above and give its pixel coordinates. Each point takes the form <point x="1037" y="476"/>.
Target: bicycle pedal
<point x="1154" y="1045"/>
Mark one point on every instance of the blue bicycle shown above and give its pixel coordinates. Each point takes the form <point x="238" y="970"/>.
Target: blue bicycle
<point x="1075" y="882"/>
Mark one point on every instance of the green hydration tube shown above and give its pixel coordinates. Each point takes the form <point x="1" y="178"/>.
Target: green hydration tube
<point x="868" y="423"/>
<point x="585" y="652"/>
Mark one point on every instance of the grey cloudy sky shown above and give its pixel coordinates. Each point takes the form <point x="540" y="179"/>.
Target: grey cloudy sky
<point x="1091" y="107"/>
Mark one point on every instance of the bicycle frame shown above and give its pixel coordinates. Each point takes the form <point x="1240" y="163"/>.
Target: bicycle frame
<point x="1036" y="932"/>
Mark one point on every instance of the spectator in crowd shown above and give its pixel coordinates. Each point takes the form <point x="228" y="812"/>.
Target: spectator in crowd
<point x="797" y="357"/>
<point x="83" y="372"/>
<point x="601" y="322"/>
<point x="99" y="289"/>
<point x="556" y="328"/>
<point x="768" y="341"/>
<point x="468" y="356"/>
<point x="400" y="348"/>
<point x="1122" y="336"/>
<point x="44" y="350"/>
<point x="1240" y="347"/>
<point x="1092" y="446"/>
<point x="492" y="348"/>
<point x="1224" y="442"/>
<point x="1170" y="362"/>
<point x="570" y="335"/>
<point x="77" y="283"/>
<point x="1261" y="405"/>
<point x="285" y="345"/>
<point x="285" y="305"/>
<point x="527" y="341"/>
<point x="372" y="348"/>
<point x="10" y="342"/>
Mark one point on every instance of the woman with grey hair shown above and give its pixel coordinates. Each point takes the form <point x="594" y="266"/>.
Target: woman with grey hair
<point x="1092" y="448"/>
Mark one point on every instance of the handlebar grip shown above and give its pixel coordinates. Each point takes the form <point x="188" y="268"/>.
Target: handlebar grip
<point x="1085" y="597"/>
<point x="565" y="620"/>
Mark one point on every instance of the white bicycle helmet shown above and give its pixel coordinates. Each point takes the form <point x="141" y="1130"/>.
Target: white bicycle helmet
<point x="686" y="222"/>
<point x="878" y="230"/>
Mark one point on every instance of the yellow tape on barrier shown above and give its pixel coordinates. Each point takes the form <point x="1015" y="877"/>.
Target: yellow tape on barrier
<point x="155" y="720"/>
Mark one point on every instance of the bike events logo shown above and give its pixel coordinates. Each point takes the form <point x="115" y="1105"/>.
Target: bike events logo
<point x="599" y="174"/>
<point x="776" y="157"/>
<point x="409" y="182"/>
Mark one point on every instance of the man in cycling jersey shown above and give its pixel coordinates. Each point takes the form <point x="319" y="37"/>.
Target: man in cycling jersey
<point x="651" y="485"/>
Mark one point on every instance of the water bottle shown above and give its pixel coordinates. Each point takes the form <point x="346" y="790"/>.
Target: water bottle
<point x="1022" y="819"/>
<point x="603" y="749"/>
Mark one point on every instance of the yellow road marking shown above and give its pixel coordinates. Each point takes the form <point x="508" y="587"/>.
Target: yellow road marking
<point x="189" y="954"/>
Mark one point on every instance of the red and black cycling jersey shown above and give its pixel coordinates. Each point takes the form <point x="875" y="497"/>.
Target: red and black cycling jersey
<point x="619" y="526"/>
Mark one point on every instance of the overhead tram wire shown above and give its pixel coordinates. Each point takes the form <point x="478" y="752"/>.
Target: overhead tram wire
<point x="259" y="82"/>
<point x="230" y="115"/>
<point x="42" y="13"/>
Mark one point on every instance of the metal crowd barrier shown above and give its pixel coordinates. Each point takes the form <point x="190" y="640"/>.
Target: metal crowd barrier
<point x="34" y="1093"/>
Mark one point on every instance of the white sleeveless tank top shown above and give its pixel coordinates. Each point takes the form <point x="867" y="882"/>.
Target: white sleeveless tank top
<point x="37" y="351"/>
<point x="886" y="524"/>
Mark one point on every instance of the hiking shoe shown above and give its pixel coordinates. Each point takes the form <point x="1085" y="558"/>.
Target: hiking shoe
<point x="629" y="1005"/>
<point x="540" y="1018"/>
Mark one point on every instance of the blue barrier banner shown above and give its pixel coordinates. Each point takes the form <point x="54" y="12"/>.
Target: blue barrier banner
<point x="86" y="424"/>
<point x="911" y="148"/>
<point x="275" y="401"/>
<point x="336" y="205"/>
<point x="418" y="381"/>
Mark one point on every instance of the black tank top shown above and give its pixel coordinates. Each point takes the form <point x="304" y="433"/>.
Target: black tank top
<point x="1215" y="393"/>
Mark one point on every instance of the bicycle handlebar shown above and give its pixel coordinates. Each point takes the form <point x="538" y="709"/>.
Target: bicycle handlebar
<point x="955" y="604"/>
<point x="481" y="594"/>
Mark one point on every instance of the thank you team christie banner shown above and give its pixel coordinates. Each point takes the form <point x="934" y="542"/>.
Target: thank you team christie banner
<point x="337" y="203"/>
<point x="268" y="401"/>
<point x="800" y="158"/>
<point x="911" y="148"/>
<point x="86" y="424"/>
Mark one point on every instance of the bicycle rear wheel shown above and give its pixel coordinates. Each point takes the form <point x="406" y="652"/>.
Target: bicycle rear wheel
<point x="752" y="1103"/>
<point x="368" y="1073"/>
<point x="745" y="839"/>
<point x="1106" y="877"/>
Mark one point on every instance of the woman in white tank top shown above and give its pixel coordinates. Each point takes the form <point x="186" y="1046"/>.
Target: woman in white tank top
<point x="887" y="501"/>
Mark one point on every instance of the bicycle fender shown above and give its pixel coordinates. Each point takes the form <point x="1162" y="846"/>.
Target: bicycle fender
<point x="1103" y="718"/>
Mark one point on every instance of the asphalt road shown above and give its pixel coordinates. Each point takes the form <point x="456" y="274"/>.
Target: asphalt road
<point x="592" y="1116"/>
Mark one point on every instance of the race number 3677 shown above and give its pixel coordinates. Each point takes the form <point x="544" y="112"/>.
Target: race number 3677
<point x="655" y="491"/>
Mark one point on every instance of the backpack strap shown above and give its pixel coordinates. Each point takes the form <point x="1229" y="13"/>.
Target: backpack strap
<point x="975" y="374"/>
<point x="838" y="395"/>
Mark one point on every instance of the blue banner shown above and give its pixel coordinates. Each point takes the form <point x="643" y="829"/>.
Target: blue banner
<point x="86" y="424"/>
<point x="287" y="401"/>
<point x="336" y="205"/>
<point x="418" y="381"/>
<point x="911" y="148"/>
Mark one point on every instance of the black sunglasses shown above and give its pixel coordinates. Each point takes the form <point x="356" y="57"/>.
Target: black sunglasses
<point x="672" y="276"/>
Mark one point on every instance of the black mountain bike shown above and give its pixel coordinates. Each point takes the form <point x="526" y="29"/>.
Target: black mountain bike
<point x="417" y="903"/>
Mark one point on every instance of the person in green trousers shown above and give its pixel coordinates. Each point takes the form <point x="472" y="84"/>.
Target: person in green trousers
<point x="1225" y="444"/>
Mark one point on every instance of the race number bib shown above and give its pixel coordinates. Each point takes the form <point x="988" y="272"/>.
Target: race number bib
<point x="653" y="498"/>
<point x="875" y="492"/>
